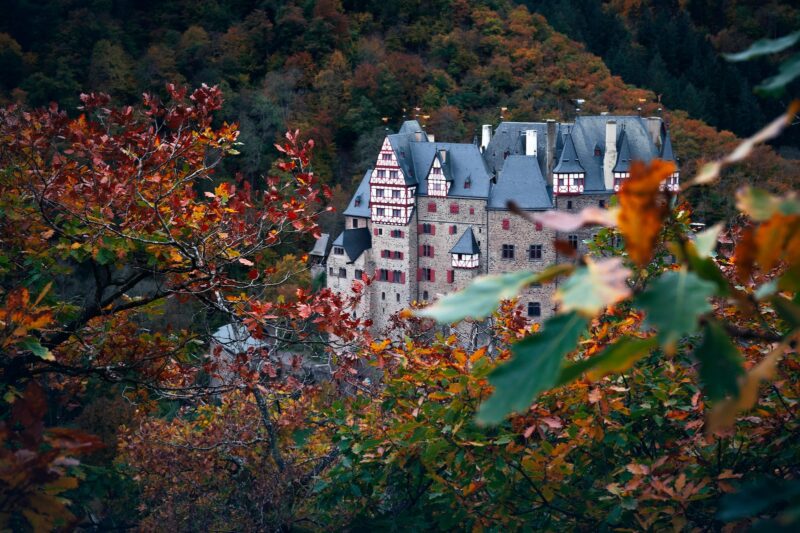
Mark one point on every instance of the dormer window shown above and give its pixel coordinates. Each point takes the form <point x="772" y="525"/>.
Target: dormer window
<point x="357" y="201"/>
<point x="468" y="183"/>
<point x="568" y="183"/>
<point x="338" y="250"/>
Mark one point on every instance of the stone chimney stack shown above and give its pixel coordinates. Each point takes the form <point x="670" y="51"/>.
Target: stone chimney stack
<point x="654" y="129"/>
<point x="550" y="155"/>
<point x="531" y="139"/>
<point x="610" y="156"/>
<point x="486" y="136"/>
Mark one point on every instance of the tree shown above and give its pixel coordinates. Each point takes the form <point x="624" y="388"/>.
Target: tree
<point x="127" y="199"/>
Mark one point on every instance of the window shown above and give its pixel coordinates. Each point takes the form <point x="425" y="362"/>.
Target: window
<point x="428" y="229"/>
<point x="535" y="252"/>
<point x="330" y="271"/>
<point x="393" y="174"/>
<point x="454" y="209"/>
<point x="569" y="204"/>
<point x="508" y="251"/>
<point x="396" y="233"/>
<point x="573" y="241"/>
<point x="453" y="229"/>
<point x="506" y="154"/>
<point x="601" y="203"/>
<point x="471" y="210"/>
<point x="357" y="201"/>
<point x="383" y="296"/>
<point x="358" y="274"/>
<point x="427" y="274"/>
<point x="377" y="231"/>
<point x="397" y="296"/>
<point x="383" y="275"/>
<point x="379" y="193"/>
<point x="468" y="183"/>
<point x="338" y="250"/>
<point x="596" y="151"/>
<point x="381" y="173"/>
<point x="386" y="157"/>
<point x="395" y="193"/>
<point x="534" y="309"/>
<point x="342" y="272"/>
<point x="380" y="211"/>
<point x="397" y="255"/>
<point x="396" y="213"/>
<point x="425" y="296"/>
<point x="431" y="207"/>
<point x="506" y="223"/>
<point x="397" y="276"/>
<point x="451" y="276"/>
<point x="427" y="250"/>
<point x="355" y="222"/>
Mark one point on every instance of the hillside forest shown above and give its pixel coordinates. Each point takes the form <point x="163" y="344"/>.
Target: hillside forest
<point x="166" y="165"/>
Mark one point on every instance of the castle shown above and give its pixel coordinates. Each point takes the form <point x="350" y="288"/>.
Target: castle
<point x="431" y="216"/>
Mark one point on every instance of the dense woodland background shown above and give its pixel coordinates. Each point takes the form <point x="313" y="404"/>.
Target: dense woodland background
<point x="626" y="447"/>
<point x="343" y="72"/>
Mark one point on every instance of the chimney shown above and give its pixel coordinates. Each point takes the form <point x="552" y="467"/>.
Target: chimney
<point x="430" y="137"/>
<point x="418" y="136"/>
<point x="486" y="136"/>
<point x="610" y="156"/>
<point x="443" y="155"/>
<point x="654" y="129"/>
<point x="531" y="138"/>
<point x="551" y="146"/>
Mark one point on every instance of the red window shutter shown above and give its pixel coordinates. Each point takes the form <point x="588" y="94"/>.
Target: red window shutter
<point x="431" y="250"/>
<point x="471" y="210"/>
<point x="402" y="234"/>
<point x="375" y="231"/>
<point x="431" y="207"/>
<point x="506" y="223"/>
<point x="419" y="274"/>
<point x="402" y="277"/>
<point x="433" y="229"/>
<point x="450" y="276"/>
<point x="454" y="208"/>
<point x="419" y="228"/>
<point x="538" y="226"/>
<point x="433" y="275"/>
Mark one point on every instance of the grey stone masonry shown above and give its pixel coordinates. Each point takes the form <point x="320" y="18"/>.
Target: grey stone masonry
<point x="422" y="197"/>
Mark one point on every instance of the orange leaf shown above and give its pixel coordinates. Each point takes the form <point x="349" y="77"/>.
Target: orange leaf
<point x="641" y="212"/>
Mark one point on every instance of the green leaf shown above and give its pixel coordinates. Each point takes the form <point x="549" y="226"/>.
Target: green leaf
<point x="32" y="345"/>
<point x="765" y="47"/>
<point x="720" y="362"/>
<point x="673" y="304"/>
<point x="482" y="296"/>
<point x="706" y="241"/>
<point x="592" y="288"/>
<point x="787" y="310"/>
<point x="105" y="256"/>
<point x="760" y="205"/>
<point x="709" y="270"/>
<point x="787" y="72"/>
<point x="616" y="357"/>
<point x="534" y="367"/>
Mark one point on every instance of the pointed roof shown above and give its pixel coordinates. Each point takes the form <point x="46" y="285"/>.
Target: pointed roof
<point x="666" y="149"/>
<point x="520" y="180"/>
<point x="354" y="242"/>
<point x="466" y="244"/>
<point x="410" y="126"/>
<point x="444" y="163"/>
<point x="568" y="162"/>
<point x="624" y="157"/>
<point x="359" y="203"/>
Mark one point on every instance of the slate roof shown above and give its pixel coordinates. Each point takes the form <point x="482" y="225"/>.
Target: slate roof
<point x="401" y="141"/>
<point x="591" y="130"/>
<point x="362" y="193"/>
<point x="466" y="244"/>
<point x="235" y="339"/>
<point x="510" y="137"/>
<point x="354" y="242"/>
<point x="464" y="162"/>
<point x="666" y="149"/>
<point x="568" y="162"/>
<point x="521" y="180"/>
<point x="321" y="245"/>
<point x="623" y="154"/>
